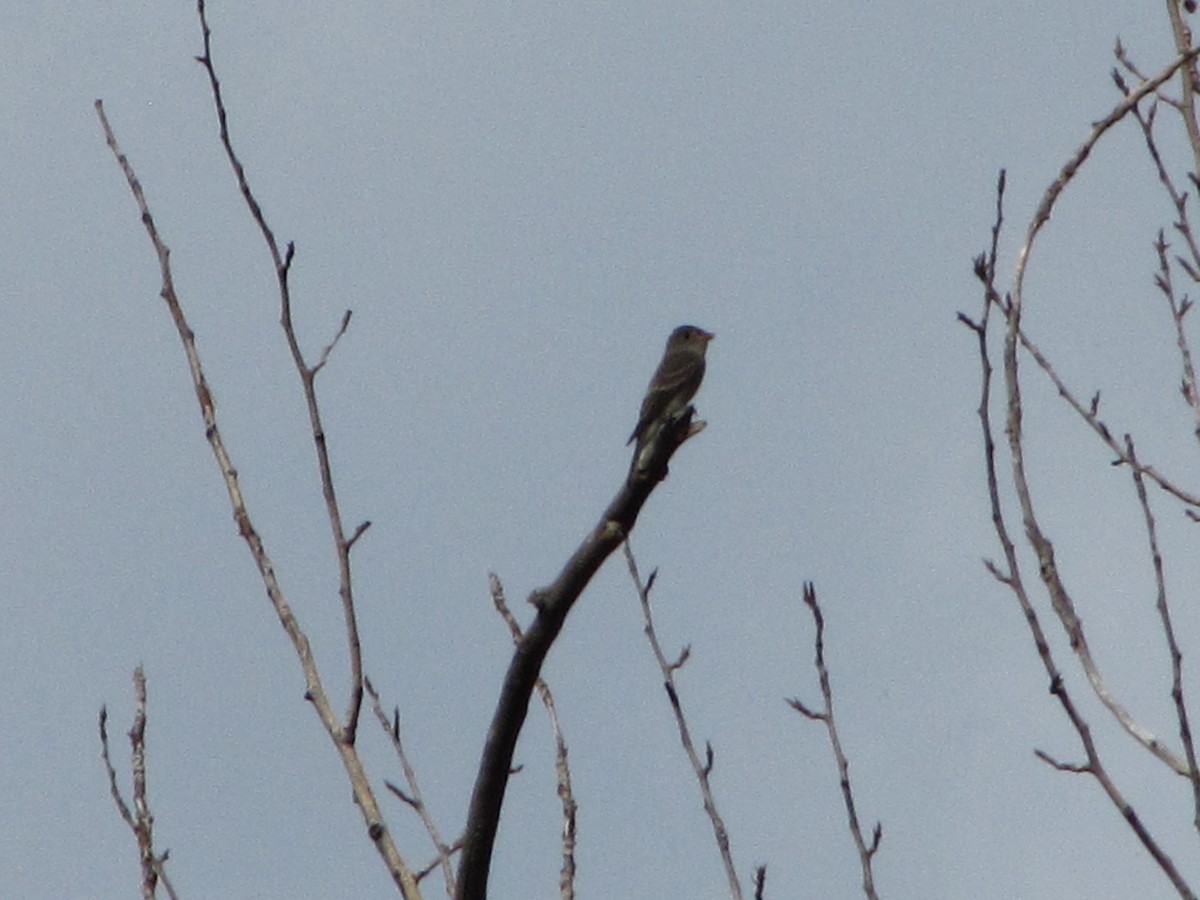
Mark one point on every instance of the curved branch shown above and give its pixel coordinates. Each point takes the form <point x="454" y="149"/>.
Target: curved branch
<point x="1010" y="575"/>
<point x="553" y="603"/>
<point x="566" y="794"/>
<point x="1050" y="197"/>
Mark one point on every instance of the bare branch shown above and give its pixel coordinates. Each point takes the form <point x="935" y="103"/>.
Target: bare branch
<point x="122" y="807"/>
<point x="1100" y="428"/>
<point x="1076" y="768"/>
<point x="701" y="770"/>
<point x="337" y="337"/>
<point x="1060" y="598"/>
<point x="347" y="731"/>
<point x="807" y="711"/>
<point x="1164" y="614"/>
<point x="358" y="532"/>
<point x="1178" y="307"/>
<point x="562" y="770"/>
<point x="428" y="868"/>
<point x="1016" y="334"/>
<point x="566" y="796"/>
<point x="553" y="603"/>
<point x="1182" y="35"/>
<point x="1067" y="173"/>
<point x="400" y="793"/>
<point x="1044" y="550"/>
<point x="412" y="797"/>
<point x="315" y="691"/>
<point x="866" y="853"/>
<point x="140" y="820"/>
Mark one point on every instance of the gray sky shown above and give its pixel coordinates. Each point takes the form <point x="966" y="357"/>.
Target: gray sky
<point x="519" y="201"/>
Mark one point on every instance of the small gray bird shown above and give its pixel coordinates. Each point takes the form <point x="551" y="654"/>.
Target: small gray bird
<point x="674" y="383"/>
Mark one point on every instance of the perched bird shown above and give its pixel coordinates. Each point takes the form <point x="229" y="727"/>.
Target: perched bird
<point x="674" y="383"/>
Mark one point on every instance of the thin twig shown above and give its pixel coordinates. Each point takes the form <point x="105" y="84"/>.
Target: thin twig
<point x="702" y="770"/>
<point x="140" y="820"/>
<point x="1164" y="615"/>
<point x="1073" y="768"/>
<point x="1089" y="415"/>
<point x="424" y="872"/>
<point x="308" y="376"/>
<point x="413" y="797"/>
<point x="866" y="851"/>
<point x="760" y="883"/>
<point x="1179" y="308"/>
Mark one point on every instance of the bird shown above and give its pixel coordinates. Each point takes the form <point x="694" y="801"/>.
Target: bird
<point x="675" y="382"/>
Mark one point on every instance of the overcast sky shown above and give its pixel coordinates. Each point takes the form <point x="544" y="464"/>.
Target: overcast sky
<point x="519" y="201"/>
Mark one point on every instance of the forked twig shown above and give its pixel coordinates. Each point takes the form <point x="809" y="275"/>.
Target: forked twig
<point x="1176" y="655"/>
<point x="866" y="851"/>
<point x="702" y="770"/>
<point x="1067" y="173"/>
<point x="413" y="796"/>
<point x="140" y="820"/>
<point x="308" y="375"/>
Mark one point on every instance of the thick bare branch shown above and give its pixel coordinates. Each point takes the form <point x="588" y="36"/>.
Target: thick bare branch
<point x="553" y="603"/>
<point x="562" y="768"/>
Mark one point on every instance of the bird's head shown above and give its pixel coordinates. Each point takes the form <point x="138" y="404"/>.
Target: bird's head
<point x="690" y="337"/>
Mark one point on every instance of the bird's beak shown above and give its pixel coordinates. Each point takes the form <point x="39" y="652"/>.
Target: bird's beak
<point x="708" y="336"/>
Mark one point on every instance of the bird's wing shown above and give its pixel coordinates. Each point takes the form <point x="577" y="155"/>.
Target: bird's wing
<point x="679" y="375"/>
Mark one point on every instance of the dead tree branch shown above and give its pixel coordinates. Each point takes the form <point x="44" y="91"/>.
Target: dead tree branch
<point x="342" y="735"/>
<point x="702" y="770"/>
<point x="552" y="603"/>
<point x="1176" y="655"/>
<point x="413" y="796"/>
<point x="140" y="820"/>
<point x="562" y="769"/>
<point x="866" y="851"/>
<point x="308" y="376"/>
<point x="1010" y="575"/>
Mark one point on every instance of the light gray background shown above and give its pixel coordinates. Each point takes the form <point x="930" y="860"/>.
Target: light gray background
<point x="519" y="201"/>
